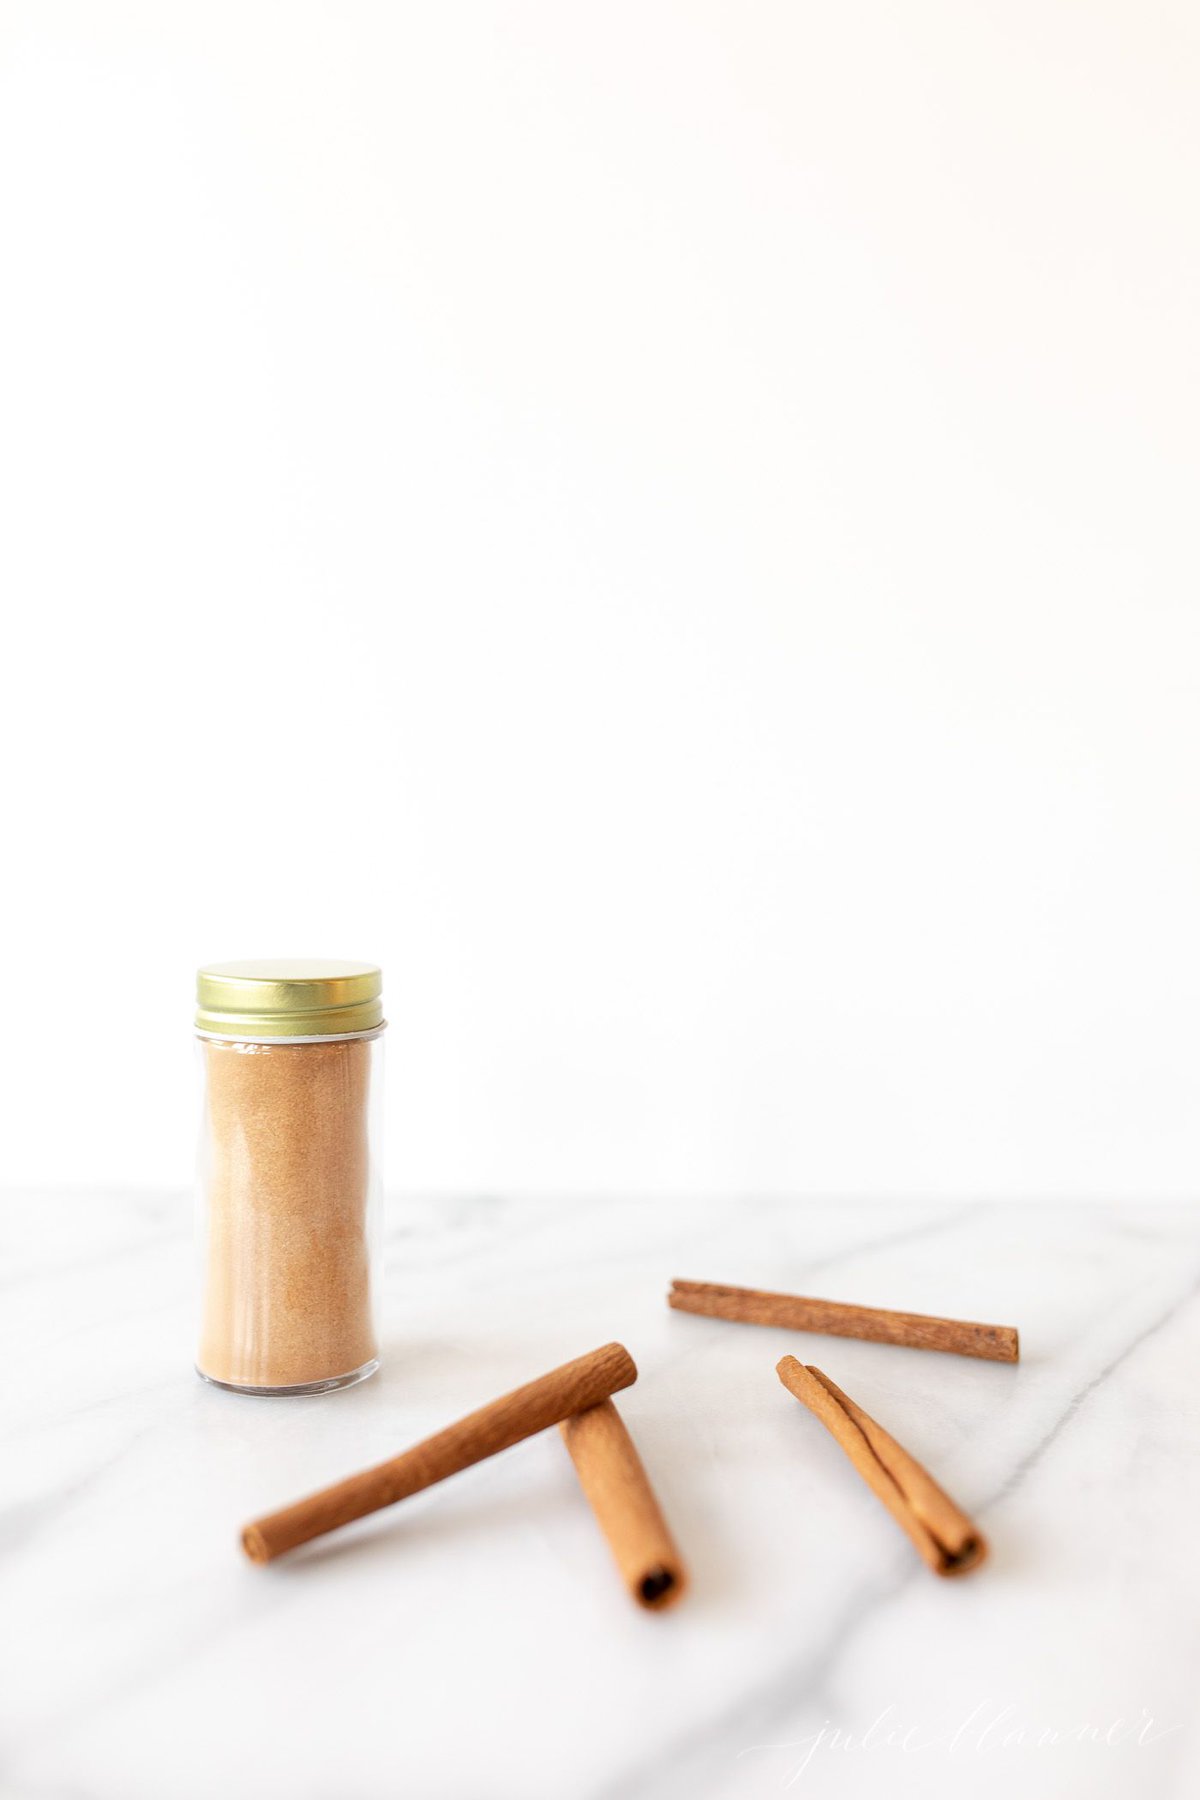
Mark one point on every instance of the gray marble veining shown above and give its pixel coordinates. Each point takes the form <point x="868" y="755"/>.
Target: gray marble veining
<point x="475" y="1642"/>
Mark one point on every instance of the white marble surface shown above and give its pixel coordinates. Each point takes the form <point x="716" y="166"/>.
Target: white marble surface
<point x="474" y="1642"/>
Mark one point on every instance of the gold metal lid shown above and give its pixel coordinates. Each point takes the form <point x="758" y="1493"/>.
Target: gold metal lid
<point x="288" y="997"/>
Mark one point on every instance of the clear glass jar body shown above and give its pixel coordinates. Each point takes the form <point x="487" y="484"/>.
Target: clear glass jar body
<point x="290" y="1212"/>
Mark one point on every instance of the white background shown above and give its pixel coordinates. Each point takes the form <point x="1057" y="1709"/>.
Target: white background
<point x="672" y="527"/>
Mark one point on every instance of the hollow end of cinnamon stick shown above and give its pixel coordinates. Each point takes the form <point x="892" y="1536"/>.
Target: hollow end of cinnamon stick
<point x="658" y="1586"/>
<point x="968" y="1556"/>
<point x="254" y="1544"/>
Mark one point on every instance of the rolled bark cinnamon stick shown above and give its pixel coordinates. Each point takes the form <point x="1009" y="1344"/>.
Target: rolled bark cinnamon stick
<point x="611" y="1475"/>
<point x="529" y="1409"/>
<point x="797" y="1312"/>
<point x="941" y="1531"/>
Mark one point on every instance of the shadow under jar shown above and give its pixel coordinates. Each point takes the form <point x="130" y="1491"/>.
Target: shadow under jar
<point x="290" y="1201"/>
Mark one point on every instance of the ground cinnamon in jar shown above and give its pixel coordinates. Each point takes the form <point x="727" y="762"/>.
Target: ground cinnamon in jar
<point x="289" y="1177"/>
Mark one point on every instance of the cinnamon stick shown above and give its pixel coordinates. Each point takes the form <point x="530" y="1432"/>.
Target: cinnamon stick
<point x="797" y="1312"/>
<point x="611" y="1475"/>
<point x="529" y="1409"/>
<point x="941" y="1531"/>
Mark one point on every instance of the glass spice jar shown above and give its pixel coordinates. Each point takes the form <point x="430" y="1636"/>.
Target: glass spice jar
<point x="290" y="1204"/>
